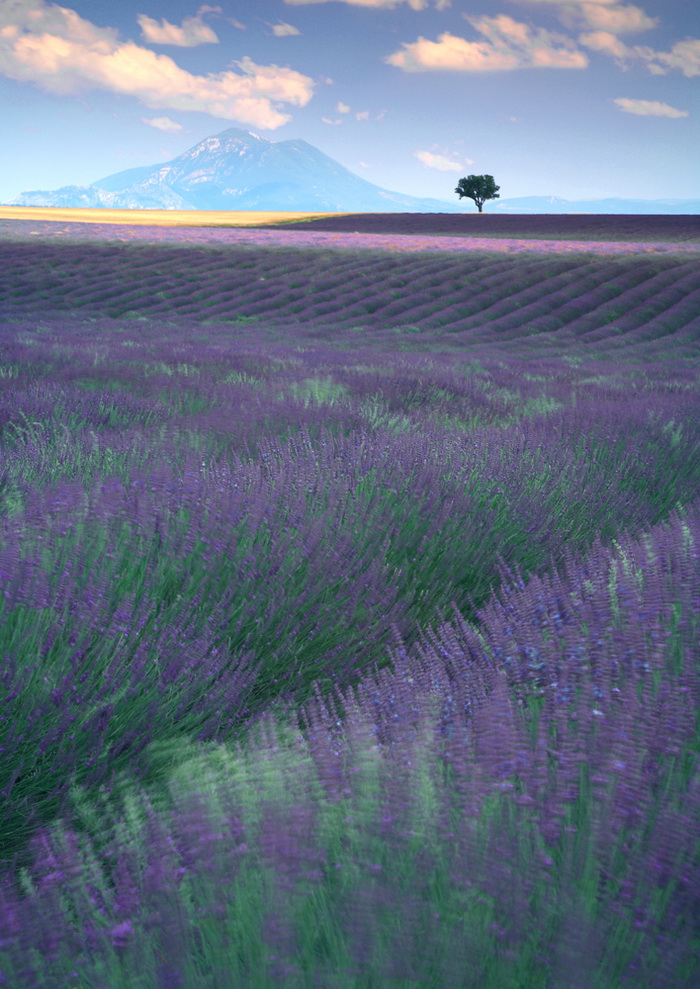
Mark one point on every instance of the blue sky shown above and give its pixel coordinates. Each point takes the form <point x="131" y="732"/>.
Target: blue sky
<point x="571" y="98"/>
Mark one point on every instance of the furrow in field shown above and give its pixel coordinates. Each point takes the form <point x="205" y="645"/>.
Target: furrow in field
<point x="581" y="293"/>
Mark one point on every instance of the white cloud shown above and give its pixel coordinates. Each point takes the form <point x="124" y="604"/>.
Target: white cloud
<point x="684" y="55"/>
<point x="381" y="4"/>
<point x="571" y="3"/>
<point x="605" y="42"/>
<point x="283" y="30"/>
<point x="439" y="162"/>
<point x="600" y="15"/>
<point x="193" y="31"/>
<point x="509" y="45"/>
<point x="28" y="16"/>
<point x="450" y="53"/>
<point x="341" y="107"/>
<point x="649" y="108"/>
<point x="162" y="123"/>
<point x="609" y="19"/>
<point x="64" y="54"/>
<point x="618" y="19"/>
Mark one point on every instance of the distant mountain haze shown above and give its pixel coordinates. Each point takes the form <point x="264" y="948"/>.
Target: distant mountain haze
<point x="239" y="170"/>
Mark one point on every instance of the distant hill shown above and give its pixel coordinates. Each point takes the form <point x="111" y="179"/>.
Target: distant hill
<point x="238" y="170"/>
<point x="552" y="204"/>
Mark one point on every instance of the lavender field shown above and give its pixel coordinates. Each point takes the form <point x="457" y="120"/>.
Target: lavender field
<point x="350" y="608"/>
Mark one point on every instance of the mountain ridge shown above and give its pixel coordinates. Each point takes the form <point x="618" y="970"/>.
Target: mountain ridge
<point x="237" y="170"/>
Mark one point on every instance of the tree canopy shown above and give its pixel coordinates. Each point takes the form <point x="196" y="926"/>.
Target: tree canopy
<point x="479" y="188"/>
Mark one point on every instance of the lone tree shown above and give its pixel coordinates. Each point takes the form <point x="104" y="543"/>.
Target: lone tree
<point x="479" y="188"/>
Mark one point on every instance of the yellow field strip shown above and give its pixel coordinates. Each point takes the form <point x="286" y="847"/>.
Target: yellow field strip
<point x="157" y="217"/>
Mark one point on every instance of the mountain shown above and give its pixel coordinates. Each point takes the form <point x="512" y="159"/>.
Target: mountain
<point x="238" y="170"/>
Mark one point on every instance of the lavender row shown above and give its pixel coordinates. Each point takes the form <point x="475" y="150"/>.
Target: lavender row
<point x="579" y="296"/>
<point x="280" y="541"/>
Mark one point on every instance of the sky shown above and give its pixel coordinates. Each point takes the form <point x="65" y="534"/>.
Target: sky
<point x="580" y="99"/>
